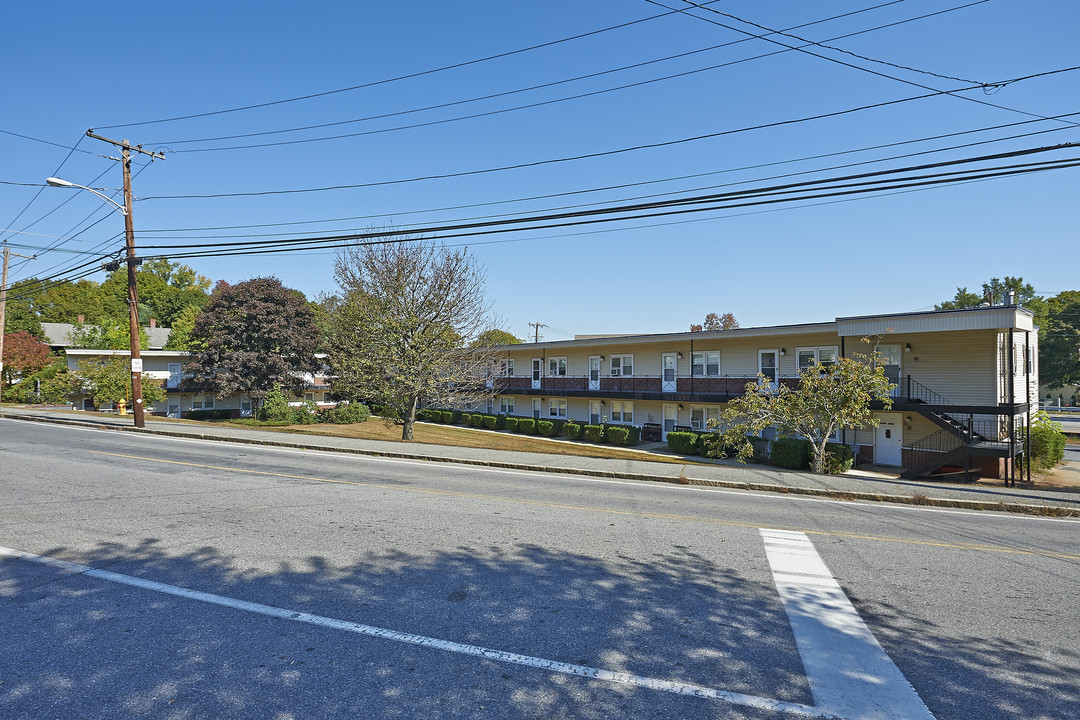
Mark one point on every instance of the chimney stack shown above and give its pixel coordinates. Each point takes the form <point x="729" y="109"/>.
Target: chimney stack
<point x="153" y="323"/>
<point x="82" y="319"/>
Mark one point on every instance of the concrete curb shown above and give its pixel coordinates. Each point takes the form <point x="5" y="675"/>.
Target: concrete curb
<point x="918" y="499"/>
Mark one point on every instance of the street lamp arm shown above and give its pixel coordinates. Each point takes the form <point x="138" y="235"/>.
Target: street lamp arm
<point x="58" y="182"/>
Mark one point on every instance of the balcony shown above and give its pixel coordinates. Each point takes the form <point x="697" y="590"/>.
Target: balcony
<point x="704" y="389"/>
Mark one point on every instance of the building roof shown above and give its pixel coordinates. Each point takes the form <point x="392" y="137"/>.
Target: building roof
<point x="58" y="335"/>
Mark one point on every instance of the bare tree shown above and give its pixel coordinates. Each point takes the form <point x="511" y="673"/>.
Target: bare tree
<point x="401" y="329"/>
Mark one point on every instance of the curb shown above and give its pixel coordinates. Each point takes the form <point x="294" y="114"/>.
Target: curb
<point x="921" y="500"/>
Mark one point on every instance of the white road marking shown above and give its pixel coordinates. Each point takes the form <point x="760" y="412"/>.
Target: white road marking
<point x="849" y="673"/>
<point x="678" y="688"/>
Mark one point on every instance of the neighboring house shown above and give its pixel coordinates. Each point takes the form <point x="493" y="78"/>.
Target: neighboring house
<point x="58" y="335"/>
<point x="965" y="379"/>
<point x="183" y="396"/>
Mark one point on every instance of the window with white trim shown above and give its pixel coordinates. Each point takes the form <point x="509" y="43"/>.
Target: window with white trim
<point x="506" y="367"/>
<point x="557" y="407"/>
<point x="309" y="397"/>
<point x="506" y="405"/>
<point x="823" y="356"/>
<point x="490" y="405"/>
<point x="701" y="414"/>
<point x="556" y="366"/>
<point x="203" y="402"/>
<point x="622" y="411"/>
<point x="705" y="364"/>
<point x="622" y="365"/>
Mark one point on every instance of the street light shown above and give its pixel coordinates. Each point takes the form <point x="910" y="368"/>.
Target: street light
<point x="58" y="182"/>
<point x="133" y="297"/>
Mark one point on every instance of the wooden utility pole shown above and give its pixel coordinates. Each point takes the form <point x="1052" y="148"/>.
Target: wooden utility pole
<point x="132" y="262"/>
<point x="536" y="337"/>
<point x="3" y="301"/>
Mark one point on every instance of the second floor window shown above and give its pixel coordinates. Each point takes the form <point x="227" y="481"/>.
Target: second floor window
<point x="557" y="366"/>
<point x="622" y="365"/>
<point x="506" y="367"/>
<point x="705" y="364"/>
<point x="823" y="356"/>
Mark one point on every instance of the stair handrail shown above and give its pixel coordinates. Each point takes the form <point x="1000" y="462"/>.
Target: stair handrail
<point x="917" y="391"/>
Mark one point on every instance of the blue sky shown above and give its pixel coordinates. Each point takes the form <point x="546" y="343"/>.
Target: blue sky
<point x="72" y="66"/>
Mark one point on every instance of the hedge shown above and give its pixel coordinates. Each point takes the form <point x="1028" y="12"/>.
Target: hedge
<point x="594" y="433"/>
<point x="624" y="434"/>
<point x="512" y="424"/>
<point x="491" y="422"/>
<point x="465" y="418"/>
<point x="684" y="443"/>
<point x="573" y="430"/>
<point x="527" y="426"/>
<point x="345" y="414"/>
<point x="792" y="453"/>
<point x="1047" y="442"/>
<point x="208" y="415"/>
<point x="545" y="428"/>
<point x="838" y="458"/>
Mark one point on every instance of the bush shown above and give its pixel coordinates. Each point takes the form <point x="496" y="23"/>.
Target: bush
<point x="208" y="415"/>
<point x="274" y="408"/>
<point x="512" y="424"/>
<point x="792" y="453"/>
<point x="761" y="448"/>
<point x="1047" y="442"/>
<point x="545" y="428"/>
<point x="491" y="422"/>
<point x="348" y="413"/>
<point x="838" y="458"/>
<point x="466" y="419"/>
<point x="624" y="435"/>
<point x="447" y="417"/>
<point x="303" y="414"/>
<point x="684" y="443"/>
<point x="594" y="433"/>
<point x="527" y="426"/>
<point x="573" y="430"/>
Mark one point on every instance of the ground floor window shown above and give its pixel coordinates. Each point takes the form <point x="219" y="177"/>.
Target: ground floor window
<point x="557" y="407"/>
<point x="622" y="411"/>
<point x="203" y="402"/>
<point x="701" y="414"/>
<point x="506" y="405"/>
<point x="309" y="397"/>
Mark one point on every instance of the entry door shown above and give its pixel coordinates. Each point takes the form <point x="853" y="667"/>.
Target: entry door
<point x="174" y="375"/>
<point x="670" y="373"/>
<point x="888" y="437"/>
<point x="173" y="408"/>
<point x="537" y="373"/>
<point x="769" y="367"/>
<point x="671" y="417"/>
<point x="889" y="359"/>
<point x="536" y="408"/>
<point x="594" y="412"/>
<point x="594" y="372"/>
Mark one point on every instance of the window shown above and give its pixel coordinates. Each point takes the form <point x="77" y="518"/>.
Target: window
<point x="506" y="405"/>
<point x="490" y="405"/>
<point x="705" y="364"/>
<point x="506" y="367"/>
<point x="203" y="402"/>
<point x="622" y="411"/>
<point x="557" y="407"/>
<point x="700" y="416"/>
<point x="309" y="397"/>
<point x="823" y="356"/>
<point x="622" y="365"/>
<point x="557" y="366"/>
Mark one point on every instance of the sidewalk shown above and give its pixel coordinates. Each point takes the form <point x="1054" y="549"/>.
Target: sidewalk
<point x="856" y="485"/>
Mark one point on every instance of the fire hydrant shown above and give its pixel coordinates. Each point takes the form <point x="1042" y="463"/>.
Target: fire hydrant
<point x="121" y="406"/>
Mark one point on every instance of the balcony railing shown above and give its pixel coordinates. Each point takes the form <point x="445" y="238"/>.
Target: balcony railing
<point x="725" y="385"/>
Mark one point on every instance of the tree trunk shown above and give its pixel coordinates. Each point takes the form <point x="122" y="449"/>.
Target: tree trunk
<point x="409" y="420"/>
<point x="817" y="462"/>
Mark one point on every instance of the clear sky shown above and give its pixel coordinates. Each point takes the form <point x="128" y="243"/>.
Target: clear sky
<point x="71" y="66"/>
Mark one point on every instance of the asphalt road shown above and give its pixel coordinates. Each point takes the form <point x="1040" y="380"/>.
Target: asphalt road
<point x="250" y="582"/>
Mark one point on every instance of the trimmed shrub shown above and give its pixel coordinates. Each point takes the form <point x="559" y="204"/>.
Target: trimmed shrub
<point x="465" y="418"/>
<point x="761" y="448"/>
<point x="594" y="433"/>
<point x="1047" y="442"/>
<point x="527" y="426"/>
<point x="792" y="453"/>
<point x="500" y="421"/>
<point x="624" y="435"/>
<point x="684" y="443"/>
<point x="491" y="422"/>
<point x="274" y="407"/>
<point x="545" y="428"/>
<point x="346" y="414"/>
<point x="448" y="417"/>
<point x="512" y="424"/>
<point x="455" y="417"/>
<point x="838" y="458"/>
<point x="208" y="415"/>
<point x="573" y="430"/>
<point x="479" y="420"/>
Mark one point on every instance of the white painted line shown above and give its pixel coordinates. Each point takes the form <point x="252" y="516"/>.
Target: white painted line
<point x="849" y="673"/>
<point x="677" y="688"/>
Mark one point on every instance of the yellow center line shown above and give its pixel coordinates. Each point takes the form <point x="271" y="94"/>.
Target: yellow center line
<point x="608" y="511"/>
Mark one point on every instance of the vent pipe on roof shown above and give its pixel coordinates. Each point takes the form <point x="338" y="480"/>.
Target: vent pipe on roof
<point x="1010" y="297"/>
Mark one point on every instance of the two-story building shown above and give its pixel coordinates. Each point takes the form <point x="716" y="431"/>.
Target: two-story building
<point x="965" y="380"/>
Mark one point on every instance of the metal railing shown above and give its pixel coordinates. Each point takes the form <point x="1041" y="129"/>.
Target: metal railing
<point x="697" y="385"/>
<point x="915" y="390"/>
<point x="928" y="448"/>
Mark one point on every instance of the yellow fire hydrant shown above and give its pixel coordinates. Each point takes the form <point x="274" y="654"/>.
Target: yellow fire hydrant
<point x="121" y="406"/>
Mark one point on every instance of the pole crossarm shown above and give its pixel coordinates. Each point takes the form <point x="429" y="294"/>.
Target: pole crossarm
<point x="126" y="144"/>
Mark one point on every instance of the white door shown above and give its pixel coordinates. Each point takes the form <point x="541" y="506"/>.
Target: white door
<point x="594" y="412"/>
<point x="173" y="410"/>
<point x="889" y="358"/>
<point x="670" y="372"/>
<point x="536" y="408"/>
<point x="887" y="439"/>
<point x="174" y="375"/>
<point x="537" y="372"/>
<point x="594" y="372"/>
<point x="769" y="367"/>
<point x="671" y="417"/>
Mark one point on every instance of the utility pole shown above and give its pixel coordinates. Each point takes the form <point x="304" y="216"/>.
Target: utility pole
<point x="536" y="337"/>
<point x="3" y="300"/>
<point x="132" y="262"/>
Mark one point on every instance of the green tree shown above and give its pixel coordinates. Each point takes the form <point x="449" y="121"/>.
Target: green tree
<point x="1059" y="341"/>
<point x="182" y="328"/>
<point x="108" y="380"/>
<point x="65" y="302"/>
<point x="495" y="338"/>
<point x="401" y="330"/>
<point x="827" y="398"/>
<point x="992" y="292"/>
<point x="254" y="336"/>
<point x="113" y="336"/>
<point x="20" y="313"/>
<point x="165" y="290"/>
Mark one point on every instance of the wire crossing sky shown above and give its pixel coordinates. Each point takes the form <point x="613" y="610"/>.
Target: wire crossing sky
<point x="613" y="164"/>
